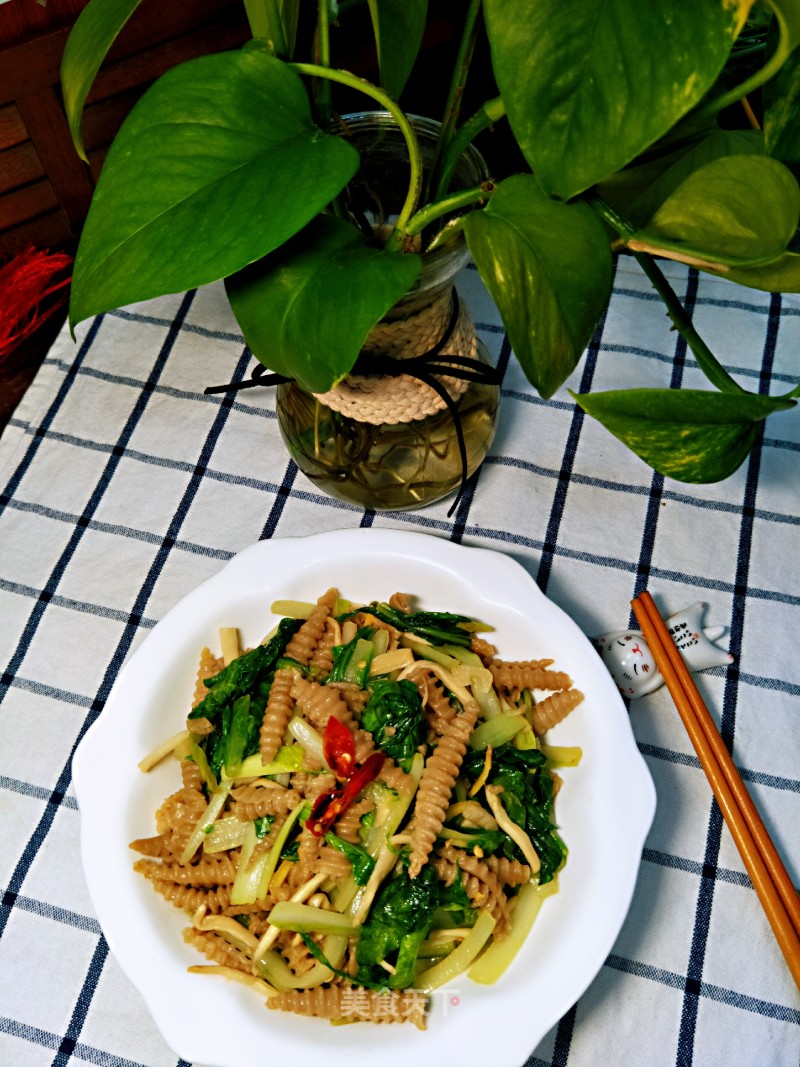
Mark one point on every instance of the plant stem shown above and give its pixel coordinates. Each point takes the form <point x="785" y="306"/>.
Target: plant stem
<point x="706" y="360"/>
<point x="323" y="101"/>
<point x="456" y="92"/>
<point x="344" y="77"/>
<point x="270" y="11"/>
<point x="489" y="113"/>
<point x="463" y="198"/>
<point x="257" y="18"/>
<point x="755" y="81"/>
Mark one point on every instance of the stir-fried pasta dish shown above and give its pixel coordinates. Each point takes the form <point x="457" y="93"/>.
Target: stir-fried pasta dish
<point x="366" y="808"/>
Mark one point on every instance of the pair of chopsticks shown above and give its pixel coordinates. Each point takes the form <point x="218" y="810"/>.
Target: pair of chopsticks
<point x="779" y="898"/>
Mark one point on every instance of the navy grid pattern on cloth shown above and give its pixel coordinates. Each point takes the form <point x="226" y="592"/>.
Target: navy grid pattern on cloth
<point x="123" y="487"/>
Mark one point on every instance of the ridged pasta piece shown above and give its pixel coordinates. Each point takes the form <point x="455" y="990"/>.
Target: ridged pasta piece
<point x="175" y="822"/>
<point x="401" y="602"/>
<point x="366" y="618"/>
<point x="353" y="695"/>
<point x="353" y="1003"/>
<point x="319" y="702"/>
<point x="188" y="898"/>
<point x="277" y="714"/>
<point x="553" y="709"/>
<point x="332" y="862"/>
<point x="394" y="777"/>
<point x="438" y="778"/>
<point x="348" y="825"/>
<point x="302" y="645"/>
<point x="200" y="727"/>
<point x="439" y="711"/>
<point x="307" y="854"/>
<point x="209" y="666"/>
<point x="209" y="871"/>
<point x="365" y="745"/>
<point x="158" y="847"/>
<point x="481" y="647"/>
<point x="321" y="662"/>
<point x="296" y="953"/>
<point x="191" y="775"/>
<point x="516" y="676"/>
<point x="509" y="872"/>
<point x="252" y="801"/>
<point x="215" y="948"/>
<point x="485" y="891"/>
<point x="483" y="888"/>
<point x="258" y="924"/>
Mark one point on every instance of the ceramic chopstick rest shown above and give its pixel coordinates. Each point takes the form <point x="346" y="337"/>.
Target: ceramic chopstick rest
<point x="631" y="663"/>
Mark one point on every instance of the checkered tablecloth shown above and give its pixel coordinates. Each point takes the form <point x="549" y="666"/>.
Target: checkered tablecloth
<point x="124" y="487"/>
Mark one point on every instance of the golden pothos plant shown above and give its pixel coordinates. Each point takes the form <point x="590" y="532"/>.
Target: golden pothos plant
<point x="230" y="167"/>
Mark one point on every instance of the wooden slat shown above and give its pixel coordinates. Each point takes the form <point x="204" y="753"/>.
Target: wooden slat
<point x="19" y="166"/>
<point x="22" y="19"/>
<point x="33" y="65"/>
<point x="147" y="65"/>
<point x="44" y="120"/>
<point x="48" y="231"/>
<point x="12" y="128"/>
<point x="25" y="204"/>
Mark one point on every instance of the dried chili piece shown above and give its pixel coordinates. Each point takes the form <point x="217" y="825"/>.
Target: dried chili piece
<point x="339" y="748"/>
<point x="340" y="756"/>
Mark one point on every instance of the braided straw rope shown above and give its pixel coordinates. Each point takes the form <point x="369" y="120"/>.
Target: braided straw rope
<point x="386" y="399"/>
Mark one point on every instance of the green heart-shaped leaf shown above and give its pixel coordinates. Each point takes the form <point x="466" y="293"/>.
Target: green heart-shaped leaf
<point x="306" y="310"/>
<point x="589" y="86"/>
<point x="687" y="434"/>
<point x="548" y="267"/>
<point x="649" y="185"/>
<point x="398" y="26"/>
<point x="94" y="32"/>
<point x="218" y="164"/>
<point x="782" y="275"/>
<point x="739" y="210"/>
<point x="639" y="189"/>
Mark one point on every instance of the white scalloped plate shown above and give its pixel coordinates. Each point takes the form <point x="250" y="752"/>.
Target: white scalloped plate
<point x="604" y="810"/>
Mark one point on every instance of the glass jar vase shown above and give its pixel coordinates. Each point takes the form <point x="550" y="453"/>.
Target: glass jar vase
<point x="391" y="442"/>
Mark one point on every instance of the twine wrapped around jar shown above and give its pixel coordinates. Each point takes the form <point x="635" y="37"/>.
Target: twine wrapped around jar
<point x="405" y="397"/>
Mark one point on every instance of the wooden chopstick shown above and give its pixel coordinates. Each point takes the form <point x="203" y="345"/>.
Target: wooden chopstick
<point x="771" y="881"/>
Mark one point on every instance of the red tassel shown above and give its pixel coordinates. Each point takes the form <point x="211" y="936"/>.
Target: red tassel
<point x="27" y="284"/>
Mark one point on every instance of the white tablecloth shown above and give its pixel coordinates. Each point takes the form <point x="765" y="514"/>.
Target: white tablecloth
<point x="124" y="487"/>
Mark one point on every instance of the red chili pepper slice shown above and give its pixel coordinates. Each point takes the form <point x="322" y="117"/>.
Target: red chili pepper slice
<point x="339" y="748"/>
<point x="327" y="807"/>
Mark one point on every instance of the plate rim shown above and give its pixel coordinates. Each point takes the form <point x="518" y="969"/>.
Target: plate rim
<point x="439" y="551"/>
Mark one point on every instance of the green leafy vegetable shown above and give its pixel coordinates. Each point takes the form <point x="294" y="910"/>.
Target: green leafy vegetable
<point x="241" y="675"/>
<point x="351" y="661"/>
<point x="398" y="923"/>
<point x="528" y="798"/>
<point x="393" y="715"/>
<point x="454" y="902"/>
<point x="263" y="826"/>
<point x="438" y="627"/>
<point x="360" y="860"/>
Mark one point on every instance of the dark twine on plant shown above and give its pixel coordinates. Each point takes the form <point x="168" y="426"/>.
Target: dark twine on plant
<point x="424" y="367"/>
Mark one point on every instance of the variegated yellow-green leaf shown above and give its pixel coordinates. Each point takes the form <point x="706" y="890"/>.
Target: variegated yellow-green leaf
<point x="216" y="165"/>
<point x="782" y="275"/>
<point x="740" y="210"/>
<point x="687" y="434"/>
<point x="548" y="267"/>
<point x="638" y="191"/>
<point x="588" y="86"/>
<point x="306" y="309"/>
